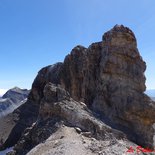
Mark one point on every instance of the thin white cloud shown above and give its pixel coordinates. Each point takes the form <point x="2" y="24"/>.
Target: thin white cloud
<point x="3" y="91"/>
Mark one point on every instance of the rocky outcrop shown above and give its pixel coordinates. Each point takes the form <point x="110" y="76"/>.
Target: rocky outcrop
<point x="27" y="113"/>
<point x="108" y="78"/>
<point x="59" y="110"/>
<point x="45" y="75"/>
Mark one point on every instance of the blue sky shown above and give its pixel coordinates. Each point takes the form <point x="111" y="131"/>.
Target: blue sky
<point x="36" y="33"/>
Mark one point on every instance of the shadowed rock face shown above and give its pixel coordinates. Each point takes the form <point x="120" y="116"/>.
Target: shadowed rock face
<point x="27" y="113"/>
<point x="108" y="77"/>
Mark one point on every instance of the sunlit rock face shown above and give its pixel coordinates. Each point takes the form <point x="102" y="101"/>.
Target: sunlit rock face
<point x="119" y="36"/>
<point x="108" y="77"/>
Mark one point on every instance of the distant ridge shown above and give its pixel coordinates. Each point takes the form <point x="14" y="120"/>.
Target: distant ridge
<point x="12" y="99"/>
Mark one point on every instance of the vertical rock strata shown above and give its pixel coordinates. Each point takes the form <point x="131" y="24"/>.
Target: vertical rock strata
<point x="108" y="77"/>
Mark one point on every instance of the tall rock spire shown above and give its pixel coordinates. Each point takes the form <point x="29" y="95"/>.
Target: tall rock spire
<point x="108" y="77"/>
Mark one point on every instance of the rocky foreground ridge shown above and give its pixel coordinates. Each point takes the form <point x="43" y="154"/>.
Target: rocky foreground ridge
<point x="98" y="91"/>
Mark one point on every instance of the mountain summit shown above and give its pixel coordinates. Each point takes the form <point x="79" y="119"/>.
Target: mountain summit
<point x="98" y="92"/>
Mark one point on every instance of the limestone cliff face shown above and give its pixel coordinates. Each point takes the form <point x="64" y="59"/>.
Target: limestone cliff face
<point x="108" y="77"/>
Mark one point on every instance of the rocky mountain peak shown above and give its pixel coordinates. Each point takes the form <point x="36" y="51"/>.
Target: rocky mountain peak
<point x="105" y="80"/>
<point x="119" y="35"/>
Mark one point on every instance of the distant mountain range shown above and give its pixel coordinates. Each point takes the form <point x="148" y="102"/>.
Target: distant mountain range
<point x="12" y="99"/>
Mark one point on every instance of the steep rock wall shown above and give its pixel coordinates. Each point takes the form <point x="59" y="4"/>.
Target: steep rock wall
<point x="108" y="77"/>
